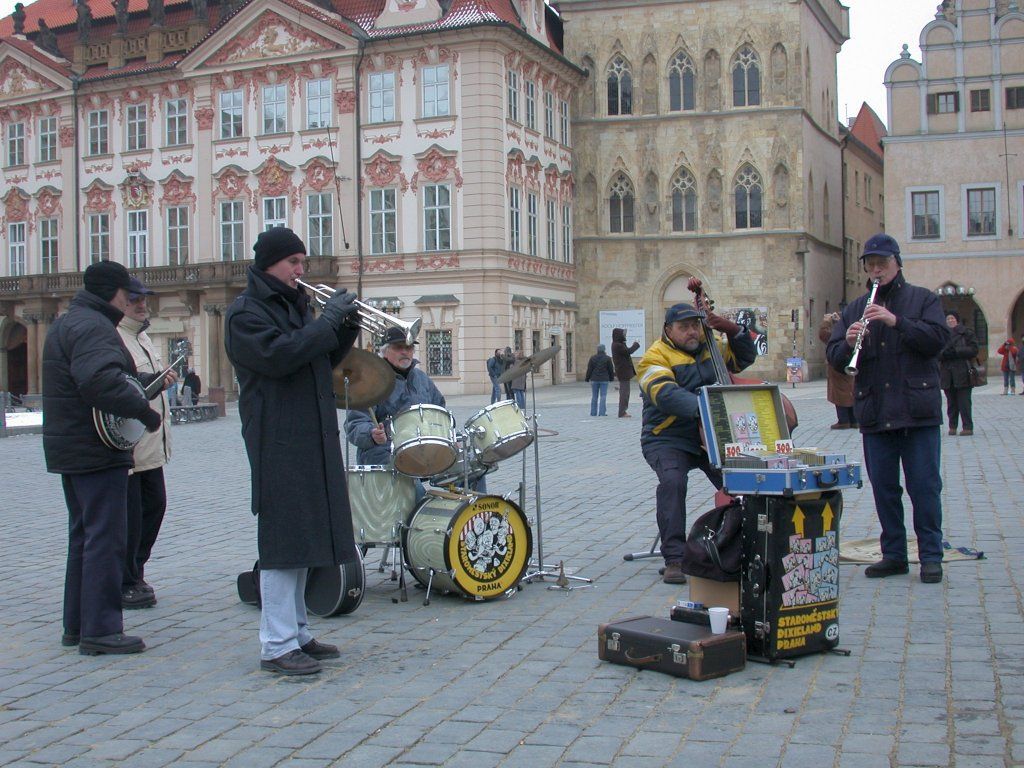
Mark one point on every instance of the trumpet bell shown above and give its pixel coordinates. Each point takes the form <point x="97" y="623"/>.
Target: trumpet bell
<point x="370" y="318"/>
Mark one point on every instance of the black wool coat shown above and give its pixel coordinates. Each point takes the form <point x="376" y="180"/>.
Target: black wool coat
<point x="284" y="359"/>
<point x="954" y="361"/>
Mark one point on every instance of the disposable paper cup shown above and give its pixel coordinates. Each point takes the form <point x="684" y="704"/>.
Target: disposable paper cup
<point x="719" y="619"/>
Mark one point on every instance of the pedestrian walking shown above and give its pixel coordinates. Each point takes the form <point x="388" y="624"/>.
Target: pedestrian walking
<point x="622" y="361"/>
<point x="599" y="372"/>
<point x="955" y="374"/>
<point x="838" y="384"/>
<point x="1009" y="352"/>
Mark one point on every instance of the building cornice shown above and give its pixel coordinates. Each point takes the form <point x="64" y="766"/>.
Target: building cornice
<point x="918" y="138"/>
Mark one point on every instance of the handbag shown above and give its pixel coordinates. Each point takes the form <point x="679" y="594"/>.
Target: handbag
<point x="977" y="373"/>
<point x="713" y="548"/>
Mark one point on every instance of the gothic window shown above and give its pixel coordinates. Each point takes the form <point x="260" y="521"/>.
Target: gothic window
<point x="746" y="78"/>
<point x="620" y="87"/>
<point x="747" y="192"/>
<point x="681" y="83"/>
<point x="620" y="204"/>
<point x="684" y="202"/>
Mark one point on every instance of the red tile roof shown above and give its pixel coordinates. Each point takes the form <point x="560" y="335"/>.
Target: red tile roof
<point x="869" y="129"/>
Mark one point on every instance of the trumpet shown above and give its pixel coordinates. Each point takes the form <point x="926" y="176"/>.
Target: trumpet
<point x="370" y="318"/>
<point x="851" y="367"/>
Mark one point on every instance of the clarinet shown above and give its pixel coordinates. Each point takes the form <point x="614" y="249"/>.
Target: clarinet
<point x="851" y="367"/>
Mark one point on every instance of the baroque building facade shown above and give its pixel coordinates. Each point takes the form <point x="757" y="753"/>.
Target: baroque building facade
<point x="707" y="146"/>
<point x="166" y="136"/>
<point x="954" y="179"/>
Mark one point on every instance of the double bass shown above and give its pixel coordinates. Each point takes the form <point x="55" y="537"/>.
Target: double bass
<point x="722" y="373"/>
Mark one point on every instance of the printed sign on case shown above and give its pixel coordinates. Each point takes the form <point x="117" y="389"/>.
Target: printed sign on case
<point x="633" y="320"/>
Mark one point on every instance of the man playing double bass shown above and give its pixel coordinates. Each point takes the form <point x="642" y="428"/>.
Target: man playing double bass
<point x="670" y="373"/>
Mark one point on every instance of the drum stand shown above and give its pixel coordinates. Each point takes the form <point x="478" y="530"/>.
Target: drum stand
<point x="543" y="570"/>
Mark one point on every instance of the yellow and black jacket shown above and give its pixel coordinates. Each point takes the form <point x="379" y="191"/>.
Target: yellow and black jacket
<point x="669" y="379"/>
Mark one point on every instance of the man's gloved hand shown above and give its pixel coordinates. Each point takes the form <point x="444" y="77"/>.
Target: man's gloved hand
<point x="340" y="307"/>
<point x="151" y="419"/>
<point x="721" y="324"/>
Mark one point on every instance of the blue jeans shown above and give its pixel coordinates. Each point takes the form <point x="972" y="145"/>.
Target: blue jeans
<point x="283" y="613"/>
<point x="495" y="391"/>
<point x="919" y="450"/>
<point x="598" y="390"/>
<point x="520" y="398"/>
<point x="1009" y="379"/>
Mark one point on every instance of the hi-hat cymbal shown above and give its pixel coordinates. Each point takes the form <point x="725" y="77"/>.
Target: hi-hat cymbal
<point x="370" y="379"/>
<point x="527" y="364"/>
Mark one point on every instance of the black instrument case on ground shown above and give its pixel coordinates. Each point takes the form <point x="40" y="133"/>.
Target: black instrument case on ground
<point x="683" y="650"/>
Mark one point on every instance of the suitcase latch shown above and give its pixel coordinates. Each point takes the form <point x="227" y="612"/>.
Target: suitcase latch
<point x="763" y="524"/>
<point x="762" y="628"/>
<point x="678" y="654"/>
<point x="613" y="642"/>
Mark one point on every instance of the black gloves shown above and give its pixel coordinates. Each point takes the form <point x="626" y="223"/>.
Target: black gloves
<point x="721" y="324"/>
<point x="339" y="308"/>
<point x="151" y="419"/>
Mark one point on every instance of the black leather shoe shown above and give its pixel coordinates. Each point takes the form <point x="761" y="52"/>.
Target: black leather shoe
<point x="674" y="574"/>
<point x="133" y="597"/>
<point x="69" y="640"/>
<point x="317" y="650"/>
<point x="144" y="587"/>
<point x="116" y="643"/>
<point x="884" y="568"/>
<point x="292" y="663"/>
<point x="931" y="573"/>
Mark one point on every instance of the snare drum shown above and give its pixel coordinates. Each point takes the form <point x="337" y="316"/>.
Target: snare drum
<point x="476" y="546"/>
<point x="381" y="500"/>
<point x="422" y="440"/>
<point x="499" y="431"/>
<point x="457" y="472"/>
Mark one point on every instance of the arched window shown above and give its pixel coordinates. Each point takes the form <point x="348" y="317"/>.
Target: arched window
<point x="620" y="204"/>
<point x="747" y="192"/>
<point x="620" y="87"/>
<point x="746" y="78"/>
<point x="684" y="202"/>
<point x="681" y="83"/>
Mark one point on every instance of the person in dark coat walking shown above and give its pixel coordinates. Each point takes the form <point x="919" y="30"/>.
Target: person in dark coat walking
<point x="508" y="360"/>
<point x="284" y="360"/>
<point x="195" y="386"/>
<point x="622" y="361"/>
<point x="898" y="404"/>
<point x="955" y="373"/>
<point x="86" y="366"/>
<point x="495" y="367"/>
<point x="599" y="373"/>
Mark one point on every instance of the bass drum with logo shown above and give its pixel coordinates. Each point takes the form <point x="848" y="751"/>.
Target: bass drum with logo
<point x="475" y="546"/>
<point x="336" y="589"/>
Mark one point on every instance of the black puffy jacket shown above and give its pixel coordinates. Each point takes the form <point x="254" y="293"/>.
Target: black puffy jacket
<point x="84" y="366"/>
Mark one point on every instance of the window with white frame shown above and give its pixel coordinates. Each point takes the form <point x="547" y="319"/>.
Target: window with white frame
<point x="232" y="231"/>
<point x="439" y="353"/>
<point x="136" y="126"/>
<point x="566" y="234"/>
<point x="563" y="116"/>
<point x="48" y="242"/>
<point x="15" y="143"/>
<point x="99" y="237"/>
<point x="383" y="221"/>
<point x="531" y="223"/>
<point x="531" y="104"/>
<point x="746" y="78"/>
<point x="382" y="97"/>
<point x="925" y="210"/>
<point x="552" y="228"/>
<point x="512" y="82"/>
<point x="319" y="224"/>
<point x="748" y="198"/>
<point x="98" y="126"/>
<point x="684" y="202"/>
<point x="318" y="103"/>
<point x="138" y="239"/>
<point x="620" y="204"/>
<point x="177" y="235"/>
<point x="275" y="212"/>
<point x="16" y="248"/>
<point x="549" y="114"/>
<point x="275" y="108"/>
<point x="437" y="217"/>
<point x="231" y="106"/>
<point x="176" y="122"/>
<point x="681" y="83"/>
<point x="435" y="90"/>
<point x="514" y="219"/>
<point x="981" y="212"/>
<point x="619" y="79"/>
<point x="47" y="139"/>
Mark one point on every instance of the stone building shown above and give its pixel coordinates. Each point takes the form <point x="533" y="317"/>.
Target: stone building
<point x="422" y="149"/>
<point x="955" y="163"/>
<point x="863" y="193"/>
<point x="707" y="145"/>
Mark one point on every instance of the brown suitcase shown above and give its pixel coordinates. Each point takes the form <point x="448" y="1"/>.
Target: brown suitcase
<point x="683" y="650"/>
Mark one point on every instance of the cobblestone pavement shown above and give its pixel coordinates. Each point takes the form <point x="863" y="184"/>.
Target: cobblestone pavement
<point x="936" y="675"/>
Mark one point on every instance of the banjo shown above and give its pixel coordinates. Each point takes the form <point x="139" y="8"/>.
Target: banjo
<point x="121" y="433"/>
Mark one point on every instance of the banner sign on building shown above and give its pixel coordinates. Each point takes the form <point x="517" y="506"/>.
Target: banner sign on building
<point x="633" y="320"/>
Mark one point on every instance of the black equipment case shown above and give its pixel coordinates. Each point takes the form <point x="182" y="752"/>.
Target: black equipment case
<point x="789" y="584"/>
<point x="683" y="650"/>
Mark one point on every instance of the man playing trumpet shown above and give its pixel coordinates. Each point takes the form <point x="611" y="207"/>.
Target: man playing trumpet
<point x="897" y="403"/>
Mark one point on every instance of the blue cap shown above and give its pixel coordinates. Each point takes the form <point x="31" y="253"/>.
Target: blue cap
<point x="680" y="312"/>
<point x="882" y="245"/>
<point x="136" y="288"/>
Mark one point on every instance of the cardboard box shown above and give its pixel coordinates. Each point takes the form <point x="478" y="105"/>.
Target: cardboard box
<point x="712" y="593"/>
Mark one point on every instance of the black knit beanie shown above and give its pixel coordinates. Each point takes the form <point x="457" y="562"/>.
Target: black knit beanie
<point x="275" y="244"/>
<point x="104" y="278"/>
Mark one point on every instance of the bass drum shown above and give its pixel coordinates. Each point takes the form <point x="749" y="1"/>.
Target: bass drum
<point x="475" y="546"/>
<point x="336" y="589"/>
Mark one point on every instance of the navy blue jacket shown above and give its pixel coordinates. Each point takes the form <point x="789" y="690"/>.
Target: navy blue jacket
<point x="897" y="384"/>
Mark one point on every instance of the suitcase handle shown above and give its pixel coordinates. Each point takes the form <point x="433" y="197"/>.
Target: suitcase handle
<point x="825" y="483"/>
<point x="654" y="659"/>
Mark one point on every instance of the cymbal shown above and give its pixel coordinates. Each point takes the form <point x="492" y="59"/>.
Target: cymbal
<point x="528" y="364"/>
<point x="370" y="379"/>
